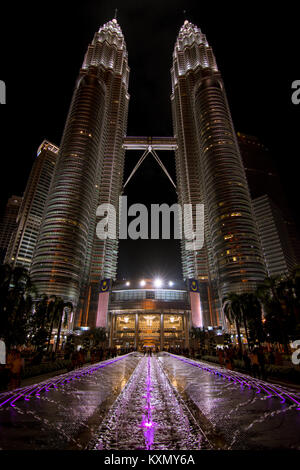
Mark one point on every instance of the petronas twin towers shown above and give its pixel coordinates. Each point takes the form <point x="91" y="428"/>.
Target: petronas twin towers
<point x="69" y="259"/>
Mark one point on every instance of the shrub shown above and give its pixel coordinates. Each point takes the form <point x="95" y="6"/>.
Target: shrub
<point x="44" y="368"/>
<point x="288" y="373"/>
<point x="213" y="359"/>
<point x="239" y="365"/>
<point x="284" y="372"/>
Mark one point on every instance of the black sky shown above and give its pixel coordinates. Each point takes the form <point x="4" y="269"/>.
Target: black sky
<point x="43" y="44"/>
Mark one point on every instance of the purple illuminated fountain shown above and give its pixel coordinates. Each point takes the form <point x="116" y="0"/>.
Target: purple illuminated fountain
<point x="261" y="386"/>
<point x="148" y="414"/>
<point x="147" y="422"/>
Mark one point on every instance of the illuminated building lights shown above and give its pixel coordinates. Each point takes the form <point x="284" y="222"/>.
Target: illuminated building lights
<point x="94" y="131"/>
<point x="158" y="283"/>
<point x="209" y="170"/>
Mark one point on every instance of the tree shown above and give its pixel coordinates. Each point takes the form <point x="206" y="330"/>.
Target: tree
<point x="58" y="312"/>
<point x="279" y="298"/>
<point x="41" y="322"/>
<point x="252" y="317"/>
<point x="61" y="312"/>
<point x="227" y="339"/>
<point x="52" y="312"/>
<point x="94" y="336"/>
<point x="16" y="304"/>
<point x="199" y="335"/>
<point x="70" y="346"/>
<point x="232" y="308"/>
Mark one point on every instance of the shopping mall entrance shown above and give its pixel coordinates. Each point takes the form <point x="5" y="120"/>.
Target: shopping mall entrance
<point x="145" y="331"/>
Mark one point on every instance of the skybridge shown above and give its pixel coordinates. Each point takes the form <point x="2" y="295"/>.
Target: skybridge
<point x="150" y="145"/>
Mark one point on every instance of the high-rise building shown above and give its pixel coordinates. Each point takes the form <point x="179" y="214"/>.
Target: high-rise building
<point x="210" y="171"/>
<point x="261" y="172"/>
<point x="69" y="259"/>
<point x="107" y="52"/>
<point x="23" y="241"/>
<point x="277" y="249"/>
<point x="8" y="224"/>
<point x="264" y="179"/>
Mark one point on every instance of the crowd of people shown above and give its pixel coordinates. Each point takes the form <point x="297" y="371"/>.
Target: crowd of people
<point x="11" y="370"/>
<point x="82" y="356"/>
<point x="12" y="362"/>
<point x="252" y="361"/>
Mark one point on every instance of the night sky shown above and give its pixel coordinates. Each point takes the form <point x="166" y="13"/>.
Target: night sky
<point x="43" y="45"/>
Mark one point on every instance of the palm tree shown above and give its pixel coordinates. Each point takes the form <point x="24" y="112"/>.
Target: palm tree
<point x="62" y="309"/>
<point x="40" y="323"/>
<point x="252" y="317"/>
<point x="245" y="304"/>
<point x="14" y="279"/>
<point x="16" y="304"/>
<point x="198" y="334"/>
<point x="296" y="292"/>
<point x="97" y="335"/>
<point x="296" y="278"/>
<point x="41" y="311"/>
<point x="232" y="308"/>
<point x="57" y="313"/>
<point x="276" y="295"/>
<point x="52" y="317"/>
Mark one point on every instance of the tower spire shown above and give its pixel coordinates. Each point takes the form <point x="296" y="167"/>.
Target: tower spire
<point x="116" y="13"/>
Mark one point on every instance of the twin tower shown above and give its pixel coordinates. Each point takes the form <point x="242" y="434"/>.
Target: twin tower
<point x="69" y="259"/>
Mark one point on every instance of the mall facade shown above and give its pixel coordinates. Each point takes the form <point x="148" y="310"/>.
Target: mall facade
<point x="146" y="314"/>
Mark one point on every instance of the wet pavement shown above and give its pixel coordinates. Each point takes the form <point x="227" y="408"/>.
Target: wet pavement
<point x="149" y="415"/>
<point x="161" y="402"/>
<point x="233" y="415"/>
<point x="65" y="417"/>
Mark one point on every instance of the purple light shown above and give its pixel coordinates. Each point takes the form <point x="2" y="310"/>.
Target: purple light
<point x="147" y="422"/>
<point x="269" y="389"/>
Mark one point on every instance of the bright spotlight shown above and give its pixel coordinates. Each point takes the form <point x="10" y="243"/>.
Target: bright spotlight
<point x="142" y="283"/>
<point x="171" y="283"/>
<point x="127" y="283"/>
<point x="158" y="283"/>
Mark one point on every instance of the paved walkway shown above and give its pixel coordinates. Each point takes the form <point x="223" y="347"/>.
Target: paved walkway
<point x="163" y="402"/>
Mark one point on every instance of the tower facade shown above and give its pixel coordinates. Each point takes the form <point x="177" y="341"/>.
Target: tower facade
<point x="23" y="242"/>
<point x="8" y="224"/>
<point x="264" y="179"/>
<point x="107" y="51"/>
<point x="277" y="248"/>
<point x="89" y="170"/>
<point x="210" y="172"/>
